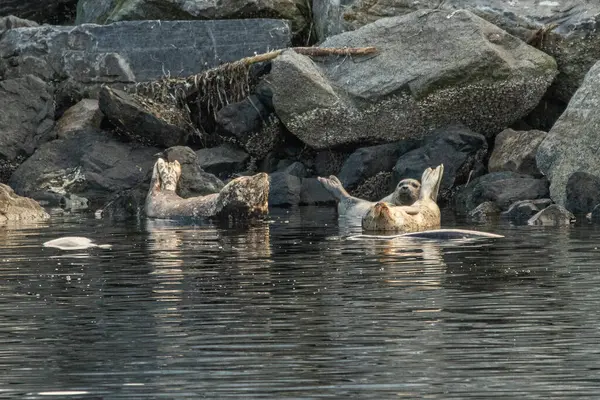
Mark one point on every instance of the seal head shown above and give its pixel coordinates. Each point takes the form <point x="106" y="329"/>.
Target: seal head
<point x="424" y="214"/>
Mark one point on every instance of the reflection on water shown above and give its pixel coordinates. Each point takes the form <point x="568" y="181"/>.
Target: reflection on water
<point x="291" y="308"/>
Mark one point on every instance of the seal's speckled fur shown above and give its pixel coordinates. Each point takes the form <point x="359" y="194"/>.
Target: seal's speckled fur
<point x="424" y="214"/>
<point x="242" y="198"/>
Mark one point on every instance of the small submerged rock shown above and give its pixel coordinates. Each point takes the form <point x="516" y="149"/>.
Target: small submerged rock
<point x="553" y="215"/>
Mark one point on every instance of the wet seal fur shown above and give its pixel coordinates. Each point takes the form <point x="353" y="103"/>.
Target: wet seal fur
<point x="423" y="215"/>
<point x="405" y="194"/>
<point x="243" y="198"/>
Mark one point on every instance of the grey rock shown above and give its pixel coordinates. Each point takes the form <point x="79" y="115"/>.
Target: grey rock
<point x="480" y="76"/>
<point x="501" y="188"/>
<point x="47" y="11"/>
<point x="12" y="22"/>
<point x="222" y="160"/>
<point x="574" y="42"/>
<point x="312" y="192"/>
<point x="515" y="151"/>
<point x="520" y="211"/>
<point x="17" y="208"/>
<point x="571" y="145"/>
<point x="459" y="149"/>
<point x="297" y="169"/>
<point x="366" y="162"/>
<point x="243" y="117"/>
<point x="26" y="115"/>
<point x="553" y="215"/>
<point x="107" y="11"/>
<point x="85" y="114"/>
<point x="90" y="164"/>
<point x="484" y="212"/>
<point x="284" y="190"/>
<point x="135" y="51"/>
<point x="194" y="181"/>
<point x="583" y="192"/>
<point x="139" y="123"/>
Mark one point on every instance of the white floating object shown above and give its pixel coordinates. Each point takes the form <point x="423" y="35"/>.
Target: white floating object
<point x="74" y="243"/>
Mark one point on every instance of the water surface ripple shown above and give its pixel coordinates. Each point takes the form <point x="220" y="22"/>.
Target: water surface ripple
<point x="293" y="309"/>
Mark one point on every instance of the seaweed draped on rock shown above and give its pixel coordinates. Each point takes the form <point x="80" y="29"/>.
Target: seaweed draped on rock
<point x="433" y="68"/>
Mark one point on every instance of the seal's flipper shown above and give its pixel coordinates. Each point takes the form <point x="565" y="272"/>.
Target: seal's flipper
<point x="430" y="182"/>
<point x="155" y="181"/>
<point x="169" y="173"/>
<point x="334" y="186"/>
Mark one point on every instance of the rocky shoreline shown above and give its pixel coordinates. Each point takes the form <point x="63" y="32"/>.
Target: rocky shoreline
<point x="503" y="95"/>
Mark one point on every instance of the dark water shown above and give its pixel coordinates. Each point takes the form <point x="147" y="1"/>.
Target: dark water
<point x="294" y="309"/>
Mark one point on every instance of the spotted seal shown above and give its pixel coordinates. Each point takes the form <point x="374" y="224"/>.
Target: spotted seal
<point x="405" y="194"/>
<point x="424" y="214"/>
<point x="242" y="198"/>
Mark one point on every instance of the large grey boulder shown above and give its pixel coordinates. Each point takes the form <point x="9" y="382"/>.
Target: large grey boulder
<point x="515" y="151"/>
<point x="26" y="115"/>
<point x="107" y="11"/>
<point x="135" y="51"/>
<point x="46" y="11"/>
<point x="433" y="68"/>
<point x="574" y="41"/>
<point x="90" y="164"/>
<point x="571" y="145"/>
<point x="17" y="208"/>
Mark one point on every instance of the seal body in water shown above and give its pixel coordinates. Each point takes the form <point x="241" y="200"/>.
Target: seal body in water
<point x="74" y="243"/>
<point x="424" y="214"/>
<point x="406" y="193"/>
<point x="242" y="198"/>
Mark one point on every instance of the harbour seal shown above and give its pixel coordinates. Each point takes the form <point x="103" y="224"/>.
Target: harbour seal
<point x="243" y="198"/>
<point x="405" y="194"/>
<point x="424" y="214"/>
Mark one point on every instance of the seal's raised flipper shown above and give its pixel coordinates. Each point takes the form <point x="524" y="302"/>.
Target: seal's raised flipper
<point x="155" y="181"/>
<point x="334" y="186"/>
<point x="430" y="182"/>
<point x="169" y="173"/>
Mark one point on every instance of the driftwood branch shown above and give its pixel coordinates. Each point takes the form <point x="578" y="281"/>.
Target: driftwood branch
<point x="312" y="52"/>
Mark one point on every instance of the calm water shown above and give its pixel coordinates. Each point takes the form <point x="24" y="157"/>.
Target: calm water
<point x="294" y="309"/>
